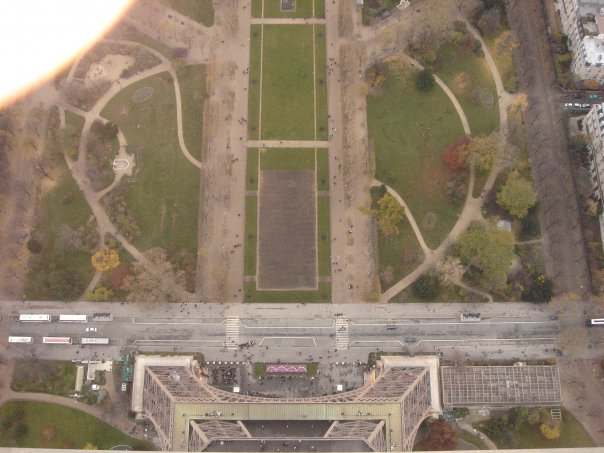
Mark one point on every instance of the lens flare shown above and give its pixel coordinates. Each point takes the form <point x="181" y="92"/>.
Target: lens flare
<point x="38" y="37"/>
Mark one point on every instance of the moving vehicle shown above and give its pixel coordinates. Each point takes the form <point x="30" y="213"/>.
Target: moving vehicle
<point x="390" y="327"/>
<point x="34" y="318"/>
<point x="20" y="340"/>
<point x="91" y="329"/>
<point x="73" y="318"/>
<point x="56" y="340"/>
<point x="95" y="341"/>
<point x="595" y="322"/>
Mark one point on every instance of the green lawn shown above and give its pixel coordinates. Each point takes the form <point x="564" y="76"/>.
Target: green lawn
<point x="321" y="81"/>
<point x="409" y="129"/>
<point x="63" y="269"/>
<point x="322" y="169"/>
<point x="287" y="159"/>
<point x="304" y="9"/>
<point x="398" y="254"/>
<point x="253" y="118"/>
<point x="252" y="295"/>
<point x="44" y="376"/>
<point x="164" y="193"/>
<point x="251" y="235"/>
<point x="471" y="439"/>
<point x="323" y="237"/>
<point x="251" y="169"/>
<point x="201" y="11"/>
<point x="54" y="426"/>
<point x="192" y="80"/>
<point x="468" y="76"/>
<point x="287" y="83"/>
<point x="446" y="294"/>
<point x="573" y="435"/>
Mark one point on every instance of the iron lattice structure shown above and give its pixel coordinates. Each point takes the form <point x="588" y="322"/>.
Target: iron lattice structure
<point x="533" y="385"/>
<point x="188" y="413"/>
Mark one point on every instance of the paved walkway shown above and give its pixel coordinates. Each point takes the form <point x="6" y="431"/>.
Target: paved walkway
<point x="482" y="436"/>
<point x="287" y="144"/>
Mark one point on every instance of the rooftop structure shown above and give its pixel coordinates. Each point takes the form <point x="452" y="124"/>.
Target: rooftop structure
<point x="501" y="386"/>
<point x="188" y="414"/>
<point x="583" y="23"/>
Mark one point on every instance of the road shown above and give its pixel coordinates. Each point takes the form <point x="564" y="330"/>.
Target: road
<point x="287" y="332"/>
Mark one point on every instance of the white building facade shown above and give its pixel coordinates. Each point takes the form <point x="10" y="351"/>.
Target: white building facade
<point x="583" y="23"/>
<point x="594" y="127"/>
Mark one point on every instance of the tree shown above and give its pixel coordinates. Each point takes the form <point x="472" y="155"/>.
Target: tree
<point x="34" y="246"/>
<point x="517" y="196"/>
<point x="427" y="287"/>
<point x="440" y="436"/>
<point x="424" y="80"/>
<point x="490" y="22"/>
<point x="389" y="214"/>
<point x="489" y="248"/>
<point x="154" y="286"/>
<point x="541" y="290"/>
<point x="591" y="84"/>
<point x="105" y="259"/>
<point x="482" y="151"/>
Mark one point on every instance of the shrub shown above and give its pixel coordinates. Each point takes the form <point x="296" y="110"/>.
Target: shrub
<point x="424" y="80"/>
<point x="427" y="287"/>
<point x="34" y="246"/>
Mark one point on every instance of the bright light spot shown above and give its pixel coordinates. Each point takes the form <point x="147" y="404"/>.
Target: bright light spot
<point x="37" y="37"/>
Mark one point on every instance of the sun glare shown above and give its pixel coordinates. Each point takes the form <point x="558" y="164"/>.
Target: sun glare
<point x="38" y="37"/>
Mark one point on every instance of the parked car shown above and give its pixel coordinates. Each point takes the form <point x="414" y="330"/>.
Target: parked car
<point x="592" y="96"/>
<point x="576" y="104"/>
<point x="586" y="106"/>
<point x="91" y="329"/>
<point x="568" y="104"/>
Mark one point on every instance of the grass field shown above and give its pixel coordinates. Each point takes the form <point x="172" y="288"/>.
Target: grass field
<point x="467" y="75"/>
<point x="409" y="129"/>
<point x="501" y="49"/>
<point x="251" y="235"/>
<point x="251" y="169"/>
<point x="321" y="81"/>
<point x="397" y="254"/>
<point x="287" y="83"/>
<point x="304" y="9"/>
<point x="322" y="169"/>
<point x="252" y="295"/>
<point x="323" y="237"/>
<point x="54" y="426"/>
<point x="287" y="159"/>
<point x="201" y="11"/>
<point x="446" y="294"/>
<point x="44" y="376"/>
<point x="573" y="435"/>
<point x="253" y="118"/>
<point x="192" y="80"/>
<point x="164" y="193"/>
<point x="61" y="271"/>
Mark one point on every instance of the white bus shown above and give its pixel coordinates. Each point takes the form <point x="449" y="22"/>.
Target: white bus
<point x="20" y="340"/>
<point x="73" y="318"/>
<point x="56" y="340"/>
<point x="34" y="318"/>
<point x="595" y="322"/>
<point x="95" y="340"/>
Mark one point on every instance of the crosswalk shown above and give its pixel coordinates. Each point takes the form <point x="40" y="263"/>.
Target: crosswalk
<point x="232" y="333"/>
<point x="341" y="333"/>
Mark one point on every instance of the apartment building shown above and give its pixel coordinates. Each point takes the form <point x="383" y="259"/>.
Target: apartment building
<point x="583" y="23"/>
<point x="593" y="125"/>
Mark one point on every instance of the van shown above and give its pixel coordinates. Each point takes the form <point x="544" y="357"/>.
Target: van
<point x="390" y="327"/>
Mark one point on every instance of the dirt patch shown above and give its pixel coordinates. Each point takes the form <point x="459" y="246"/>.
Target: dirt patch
<point x="108" y="68"/>
<point x="48" y="434"/>
<point x="462" y="82"/>
<point x="429" y="221"/>
<point x="287" y="230"/>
